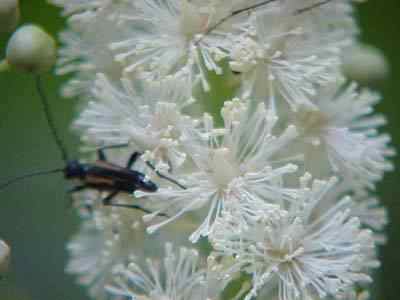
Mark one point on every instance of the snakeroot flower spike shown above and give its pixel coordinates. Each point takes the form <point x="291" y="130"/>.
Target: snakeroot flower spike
<point x="235" y="168"/>
<point x="306" y="256"/>
<point x="155" y="79"/>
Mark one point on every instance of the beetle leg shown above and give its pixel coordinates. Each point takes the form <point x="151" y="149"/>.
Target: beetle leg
<point x="131" y="206"/>
<point x="72" y="190"/>
<point x="115" y="146"/>
<point x="107" y="200"/>
<point x="77" y="188"/>
<point x="170" y="169"/>
<point x="132" y="159"/>
<point x="102" y="156"/>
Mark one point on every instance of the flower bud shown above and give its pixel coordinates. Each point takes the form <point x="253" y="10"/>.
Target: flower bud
<point x="365" y="64"/>
<point x="5" y="254"/>
<point x="31" y="49"/>
<point x="9" y="15"/>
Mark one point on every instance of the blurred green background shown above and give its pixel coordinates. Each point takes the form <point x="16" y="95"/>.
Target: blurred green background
<point x="34" y="215"/>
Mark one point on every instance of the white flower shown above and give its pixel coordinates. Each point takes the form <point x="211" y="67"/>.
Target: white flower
<point x="171" y="38"/>
<point x="303" y="254"/>
<point x="102" y="245"/>
<point x="364" y="206"/>
<point x="84" y="51"/>
<point x="352" y="293"/>
<point x="149" y="118"/>
<point x="177" y="277"/>
<point x="281" y="52"/>
<point x="371" y="214"/>
<point x="235" y="168"/>
<point x="341" y="127"/>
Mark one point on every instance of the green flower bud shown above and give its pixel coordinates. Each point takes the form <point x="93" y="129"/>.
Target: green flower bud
<point x="31" y="49"/>
<point x="9" y="15"/>
<point x="365" y="64"/>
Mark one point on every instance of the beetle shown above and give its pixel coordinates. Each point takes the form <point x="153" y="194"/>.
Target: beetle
<point x="105" y="176"/>
<point x="100" y="175"/>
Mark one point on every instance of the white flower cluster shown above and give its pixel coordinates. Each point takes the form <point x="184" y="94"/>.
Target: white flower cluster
<point x="239" y="184"/>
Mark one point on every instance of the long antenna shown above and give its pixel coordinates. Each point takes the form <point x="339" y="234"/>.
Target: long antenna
<point x="29" y="175"/>
<point x="49" y="117"/>
<point x="254" y="6"/>
<point x="311" y="7"/>
<point x="235" y="13"/>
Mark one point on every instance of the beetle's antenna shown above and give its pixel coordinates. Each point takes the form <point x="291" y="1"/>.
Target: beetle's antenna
<point x="235" y="13"/>
<point x="161" y="175"/>
<point x="257" y="5"/>
<point x="311" y="7"/>
<point x="49" y="117"/>
<point x="29" y="175"/>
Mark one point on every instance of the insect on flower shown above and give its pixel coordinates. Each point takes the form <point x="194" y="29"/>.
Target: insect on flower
<point x="100" y="175"/>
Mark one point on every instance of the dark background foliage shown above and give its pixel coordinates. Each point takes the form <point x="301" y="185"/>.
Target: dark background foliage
<point x="34" y="215"/>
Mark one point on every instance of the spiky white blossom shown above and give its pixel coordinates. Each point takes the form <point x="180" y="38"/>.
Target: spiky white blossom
<point x="173" y="38"/>
<point x="284" y="51"/>
<point x="340" y="124"/>
<point x="234" y="168"/>
<point x="306" y="256"/>
<point x="149" y="118"/>
<point x="371" y="214"/>
<point x="109" y="238"/>
<point x="364" y="206"/>
<point x="177" y="277"/>
<point x="353" y="293"/>
<point x="84" y="52"/>
<point x="102" y="244"/>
